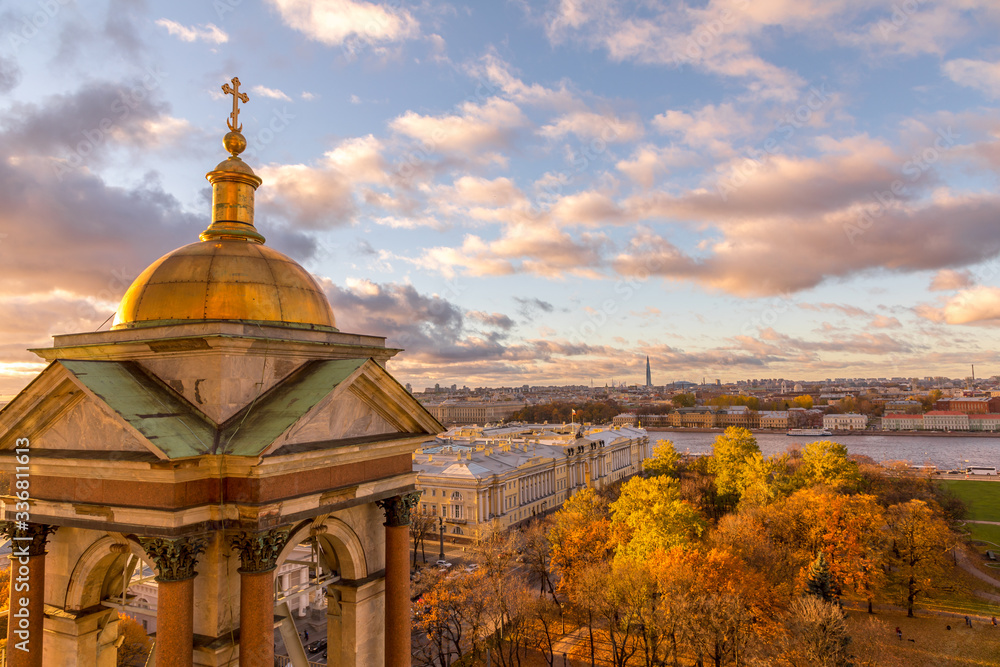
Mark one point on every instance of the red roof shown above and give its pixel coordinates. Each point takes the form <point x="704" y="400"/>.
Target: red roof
<point x="990" y="416"/>
<point x="903" y="417"/>
<point x="945" y="413"/>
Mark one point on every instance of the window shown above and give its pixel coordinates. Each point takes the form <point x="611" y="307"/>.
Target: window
<point x="434" y="510"/>
<point x="456" y="496"/>
<point x="423" y="508"/>
<point x="458" y="511"/>
<point x="434" y="492"/>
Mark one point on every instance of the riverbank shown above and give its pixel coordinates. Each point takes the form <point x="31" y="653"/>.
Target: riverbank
<point x="930" y="434"/>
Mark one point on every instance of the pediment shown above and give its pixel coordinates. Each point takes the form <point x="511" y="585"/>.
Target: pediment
<point x="368" y="402"/>
<point x="59" y="414"/>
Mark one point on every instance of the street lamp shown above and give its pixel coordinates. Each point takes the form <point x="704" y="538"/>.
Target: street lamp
<point x="562" y="618"/>
<point x="441" y="528"/>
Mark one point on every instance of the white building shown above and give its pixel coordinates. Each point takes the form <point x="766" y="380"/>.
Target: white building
<point x="946" y="420"/>
<point x="475" y="477"/>
<point x="846" y="422"/>
<point x="899" y="422"/>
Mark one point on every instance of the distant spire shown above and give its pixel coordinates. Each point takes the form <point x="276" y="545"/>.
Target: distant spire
<point x="649" y="374"/>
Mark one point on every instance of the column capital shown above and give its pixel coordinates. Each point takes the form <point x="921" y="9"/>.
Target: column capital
<point x="27" y="539"/>
<point x="259" y="551"/>
<point x="397" y="508"/>
<point x="174" y="558"/>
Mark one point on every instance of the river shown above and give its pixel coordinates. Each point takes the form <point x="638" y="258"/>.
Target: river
<point x="944" y="452"/>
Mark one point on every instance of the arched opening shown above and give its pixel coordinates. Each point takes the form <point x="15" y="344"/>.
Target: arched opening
<point x="115" y="573"/>
<point x="310" y="571"/>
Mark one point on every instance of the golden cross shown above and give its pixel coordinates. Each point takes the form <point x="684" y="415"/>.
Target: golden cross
<point x="238" y="97"/>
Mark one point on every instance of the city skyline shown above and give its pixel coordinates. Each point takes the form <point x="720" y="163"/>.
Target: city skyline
<point x="530" y="193"/>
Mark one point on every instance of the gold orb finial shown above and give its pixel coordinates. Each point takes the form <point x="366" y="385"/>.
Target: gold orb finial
<point x="235" y="143"/>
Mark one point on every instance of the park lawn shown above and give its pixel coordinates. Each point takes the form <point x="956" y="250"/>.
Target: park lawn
<point x="932" y="646"/>
<point x="986" y="533"/>
<point x="982" y="498"/>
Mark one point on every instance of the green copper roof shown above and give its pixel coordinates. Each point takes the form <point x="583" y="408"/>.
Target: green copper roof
<point x="179" y="430"/>
<point x="252" y="429"/>
<point x="164" y="418"/>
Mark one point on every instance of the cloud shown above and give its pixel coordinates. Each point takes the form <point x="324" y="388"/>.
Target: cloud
<point x="708" y="127"/>
<point x="886" y="322"/>
<point x="475" y="128"/>
<point x="529" y="306"/>
<point x="588" y="126"/>
<point x="947" y="280"/>
<point x="10" y="75"/>
<point x="498" y="320"/>
<point x="430" y="328"/>
<point x="322" y="195"/>
<point x="334" y="22"/>
<point x="207" y="32"/>
<point x="976" y="305"/>
<point x="978" y="74"/>
<point x="273" y="93"/>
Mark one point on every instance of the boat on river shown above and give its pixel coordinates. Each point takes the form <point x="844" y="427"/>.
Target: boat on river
<point x="809" y="431"/>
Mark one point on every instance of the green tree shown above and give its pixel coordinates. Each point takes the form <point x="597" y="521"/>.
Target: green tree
<point x="683" y="400"/>
<point x="649" y="515"/>
<point x="825" y="462"/>
<point x="819" y="583"/>
<point x="664" y="460"/>
<point x="728" y="462"/>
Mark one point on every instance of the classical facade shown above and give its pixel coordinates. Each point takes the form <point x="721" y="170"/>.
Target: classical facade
<point x="849" y="421"/>
<point x="498" y="477"/>
<point x="454" y="411"/>
<point x="221" y="425"/>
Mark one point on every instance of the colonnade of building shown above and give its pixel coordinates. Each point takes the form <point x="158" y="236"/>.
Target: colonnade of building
<point x="176" y="559"/>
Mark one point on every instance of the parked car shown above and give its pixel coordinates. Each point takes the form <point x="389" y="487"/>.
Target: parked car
<point x="443" y="565"/>
<point x="316" y="646"/>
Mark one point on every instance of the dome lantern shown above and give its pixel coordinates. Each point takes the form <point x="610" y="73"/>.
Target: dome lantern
<point x="230" y="274"/>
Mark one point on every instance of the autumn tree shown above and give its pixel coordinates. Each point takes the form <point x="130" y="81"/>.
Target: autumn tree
<point x="580" y="534"/>
<point x="664" y="460"/>
<point x="731" y="608"/>
<point x="538" y="553"/>
<point x="728" y="462"/>
<point x="135" y="644"/>
<point x="919" y="544"/>
<point x="819" y="583"/>
<point x="825" y="462"/>
<point x="422" y="524"/>
<point x="804" y="401"/>
<point x="650" y="515"/>
<point x="816" y="635"/>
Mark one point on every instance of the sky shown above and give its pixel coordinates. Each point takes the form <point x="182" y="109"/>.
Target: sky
<point x="539" y="192"/>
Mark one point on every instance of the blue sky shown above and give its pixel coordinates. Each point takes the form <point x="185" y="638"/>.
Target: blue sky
<point x="530" y="192"/>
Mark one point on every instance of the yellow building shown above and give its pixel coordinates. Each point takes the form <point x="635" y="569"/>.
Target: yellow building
<point x="499" y="477"/>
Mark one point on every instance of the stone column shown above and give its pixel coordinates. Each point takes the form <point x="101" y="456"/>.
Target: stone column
<point x="397" y="578"/>
<point x="26" y="613"/>
<point x="258" y="558"/>
<point x="175" y="560"/>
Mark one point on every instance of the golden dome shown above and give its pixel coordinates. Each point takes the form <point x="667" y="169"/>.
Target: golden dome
<point x="230" y="274"/>
<point x="225" y="279"/>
